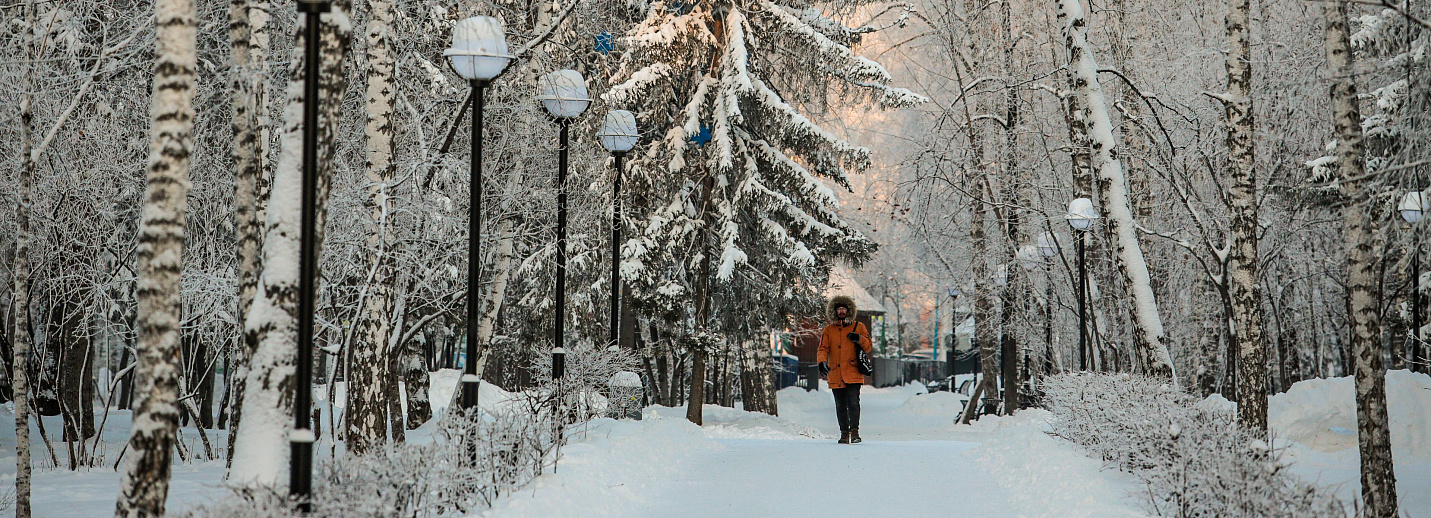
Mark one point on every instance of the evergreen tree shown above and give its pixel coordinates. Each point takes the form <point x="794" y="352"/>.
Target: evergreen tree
<point x="734" y="172"/>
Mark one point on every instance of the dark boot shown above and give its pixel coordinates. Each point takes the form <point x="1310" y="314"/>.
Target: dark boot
<point x="844" y="437"/>
<point x="855" y="436"/>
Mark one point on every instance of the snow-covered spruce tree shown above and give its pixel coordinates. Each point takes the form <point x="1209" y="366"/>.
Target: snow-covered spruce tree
<point x="144" y="488"/>
<point x="749" y="209"/>
<point x="1360" y="238"/>
<point x="261" y="449"/>
<point x="1152" y="353"/>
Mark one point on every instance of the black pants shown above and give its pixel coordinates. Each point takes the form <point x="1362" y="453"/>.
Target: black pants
<point x="847" y="406"/>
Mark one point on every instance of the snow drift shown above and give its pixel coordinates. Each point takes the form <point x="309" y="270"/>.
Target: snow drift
<point x="1321" y="414"/>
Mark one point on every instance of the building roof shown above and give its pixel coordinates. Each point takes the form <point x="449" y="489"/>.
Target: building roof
<point x="842" y="282"/>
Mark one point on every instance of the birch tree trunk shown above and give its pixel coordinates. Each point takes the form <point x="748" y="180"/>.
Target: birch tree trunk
<point x="261" y="449"/>
<point x="366" y="411"/>
<point x="1378" y="481"/>
<point x="1113" y="191"/>
<point x="248" y="43"/>
<point x="1244" y="289"/>
<point x="144" y="487"/>
<point x="20" y="337"/>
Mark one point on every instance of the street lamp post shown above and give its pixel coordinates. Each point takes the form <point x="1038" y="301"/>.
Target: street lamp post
<point x="478" y="54"/>
<point x="954" y="293"/>
<point x="1081" y="215"/>
<point x="1048" y="247"/>
<point x="563" y="94"/>
<point x="300" y="465"/>
<point x="1412" y="209"/>
<point x="618" y="135"/>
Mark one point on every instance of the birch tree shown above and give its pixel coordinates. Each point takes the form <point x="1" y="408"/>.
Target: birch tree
<point x="261" y="449"/>
<point x="1113" y="192"/>
<point x="1242" y="261"/>
<point x="249" y="46"/>
<point x="144" y="486"/>
<point x="366" y="412"/>
<point x="1360" y="238"/>
<point x="20" y="298"/>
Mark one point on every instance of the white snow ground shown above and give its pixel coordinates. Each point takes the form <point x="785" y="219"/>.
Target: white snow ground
<point x="914" y="461"/>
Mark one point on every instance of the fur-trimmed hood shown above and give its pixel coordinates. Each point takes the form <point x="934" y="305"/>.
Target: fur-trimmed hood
<point x="841" y="300"/>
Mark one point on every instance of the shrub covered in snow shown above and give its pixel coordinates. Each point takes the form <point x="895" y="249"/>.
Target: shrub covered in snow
<point x="471" y="460"/>
<point x="1194" y="458"/>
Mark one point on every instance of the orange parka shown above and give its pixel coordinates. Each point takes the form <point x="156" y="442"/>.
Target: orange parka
<point x="837" y="350"/>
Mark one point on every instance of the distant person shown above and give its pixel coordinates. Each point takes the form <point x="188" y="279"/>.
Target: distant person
<point x="837" y="363"/>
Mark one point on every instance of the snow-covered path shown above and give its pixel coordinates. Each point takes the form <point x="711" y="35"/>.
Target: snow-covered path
<point x="772" y="477"/>
<point x="914" y="462"/>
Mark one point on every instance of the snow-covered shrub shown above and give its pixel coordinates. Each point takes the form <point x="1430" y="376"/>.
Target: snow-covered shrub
<point x="1194" y="459"/>
<point x="470" y="462"/>
<point x="584" y="385"/>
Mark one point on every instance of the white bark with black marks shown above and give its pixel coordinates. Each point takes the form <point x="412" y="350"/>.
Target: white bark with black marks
<point x="1359" y="235"/>
<point x="1245" y="292"/>
<point x="249" y="45"/>
<point x="366" y="413"/>
<point x="144" y="487"/>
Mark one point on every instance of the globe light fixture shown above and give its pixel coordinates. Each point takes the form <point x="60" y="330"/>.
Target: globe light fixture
<point x="1412" y="207"/>
<point x="1047" y="245"/>
<point x="1081" y="214"/>
<point x="618" y="131"/>
<point x="563" y="93"/>
<point x="479" y="48"/>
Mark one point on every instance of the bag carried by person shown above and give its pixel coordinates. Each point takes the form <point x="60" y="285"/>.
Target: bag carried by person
<point x="863" y="362"/>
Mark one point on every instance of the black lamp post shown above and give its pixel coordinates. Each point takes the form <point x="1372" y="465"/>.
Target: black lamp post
<point x="618" y="135"/>
<point x="564" y="97"/>
<point x="1048" y="247"/>
<point x="1412" y="209"/>
<point x="1081" y="215"/>
<point x="300" y="465"/>
<point x="478" y="54"/>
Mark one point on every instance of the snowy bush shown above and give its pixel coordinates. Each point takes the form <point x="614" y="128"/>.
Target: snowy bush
<point x="1194" y="459"/>
<point x="472" y="460"/>
<point x="585" y="384"/>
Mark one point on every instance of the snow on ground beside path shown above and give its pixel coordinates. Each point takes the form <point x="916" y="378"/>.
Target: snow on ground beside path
<point x="61" y="493"/>
<point x="1316" y="422"/>
<point x="1049" y="477"/>
<point x="1321" y="414"/>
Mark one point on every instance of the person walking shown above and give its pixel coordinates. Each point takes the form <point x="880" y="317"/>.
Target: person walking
<point x="837" y="363"/>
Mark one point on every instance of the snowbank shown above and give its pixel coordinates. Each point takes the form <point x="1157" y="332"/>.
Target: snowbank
<point x="1321" y="414"/>
<point x="729" y="423"/>
<point x="944" y="404"/>
<point x="1048" y="477"/>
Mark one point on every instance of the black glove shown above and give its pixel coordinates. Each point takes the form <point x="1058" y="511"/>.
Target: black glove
<point x="824" y="369"/>
<point x="854" y="337"/>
